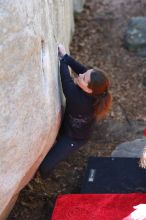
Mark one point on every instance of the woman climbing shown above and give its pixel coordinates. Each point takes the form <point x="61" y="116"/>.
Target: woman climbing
<point x="87" y="100"/>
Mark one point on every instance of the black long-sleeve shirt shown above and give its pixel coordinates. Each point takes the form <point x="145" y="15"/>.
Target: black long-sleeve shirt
<point x="78" y="119"/>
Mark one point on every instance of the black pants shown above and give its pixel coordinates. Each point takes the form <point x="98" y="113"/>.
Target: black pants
<point x="62" y="148"/>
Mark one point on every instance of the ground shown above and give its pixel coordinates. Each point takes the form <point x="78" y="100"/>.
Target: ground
<point x="97" y="42"/>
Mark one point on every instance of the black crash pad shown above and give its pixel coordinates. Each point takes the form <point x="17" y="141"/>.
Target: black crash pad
<point x="113" y="175"/>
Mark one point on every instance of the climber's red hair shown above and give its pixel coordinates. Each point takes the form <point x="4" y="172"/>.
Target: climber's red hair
<point x="99" y="84"/>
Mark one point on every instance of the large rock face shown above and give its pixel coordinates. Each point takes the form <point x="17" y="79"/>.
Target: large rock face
<point x="30" y="97"/>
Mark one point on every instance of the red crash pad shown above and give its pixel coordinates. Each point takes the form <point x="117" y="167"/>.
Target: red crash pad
<point x="96" y="206"/>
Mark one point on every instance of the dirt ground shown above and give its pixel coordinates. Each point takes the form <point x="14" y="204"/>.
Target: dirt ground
<point x="97" y="42"/>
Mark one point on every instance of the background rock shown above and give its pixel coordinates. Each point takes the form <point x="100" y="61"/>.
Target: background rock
<point x="144" y="81"/>
<point x="135" y="36"/>
<point x="78" y="5"/>
<point x="133" y="148"/>
<point x="30" y="100"/>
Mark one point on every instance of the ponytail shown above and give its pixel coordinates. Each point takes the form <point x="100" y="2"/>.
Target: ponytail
<point x="99" y="84"/>
<point x="102" y="105"/>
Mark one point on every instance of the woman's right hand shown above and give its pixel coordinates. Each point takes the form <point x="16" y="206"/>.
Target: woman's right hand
<point x="61" y="50"/>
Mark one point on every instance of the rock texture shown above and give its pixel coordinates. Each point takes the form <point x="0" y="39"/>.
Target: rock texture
<point x="135" y="35"/>
<point x="30" y="100"/>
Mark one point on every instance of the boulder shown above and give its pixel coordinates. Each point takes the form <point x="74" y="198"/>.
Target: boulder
<point x="78" y="5"/>
<point x="135" y="36"/>
<point x="30" y="91"/>
<point x="133" y="148"/>
<point x="144" y="80"/>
